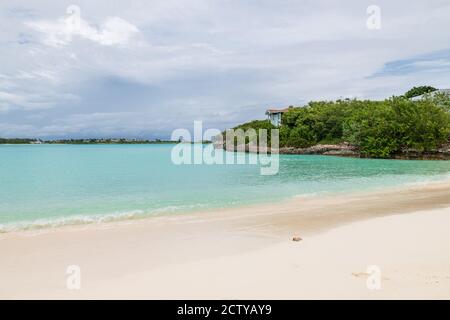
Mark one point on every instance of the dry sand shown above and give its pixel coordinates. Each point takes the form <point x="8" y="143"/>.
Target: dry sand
<point x="248" y="252"/>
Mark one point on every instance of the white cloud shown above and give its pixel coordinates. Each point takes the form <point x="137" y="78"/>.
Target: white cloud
<point x="31" y="101"/>
<point x="172" y="62"/>
<point x="113" y="31"/>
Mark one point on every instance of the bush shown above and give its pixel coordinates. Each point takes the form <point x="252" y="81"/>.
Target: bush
<point x="418" y="91"/>
<point x="393" y="125"/>
<point x="379" y="128"/>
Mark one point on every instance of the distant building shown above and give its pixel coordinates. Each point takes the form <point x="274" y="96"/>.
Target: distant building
<point x="430" y="94"/>
<point x="274" y="116"/>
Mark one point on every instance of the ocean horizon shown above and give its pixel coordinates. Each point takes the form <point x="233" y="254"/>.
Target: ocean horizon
<point x="53" y="185"/>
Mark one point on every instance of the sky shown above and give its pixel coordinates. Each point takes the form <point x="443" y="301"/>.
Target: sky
<point x="140" y="69"/>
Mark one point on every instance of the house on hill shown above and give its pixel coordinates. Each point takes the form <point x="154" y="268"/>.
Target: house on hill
<point x="274" y="115"/>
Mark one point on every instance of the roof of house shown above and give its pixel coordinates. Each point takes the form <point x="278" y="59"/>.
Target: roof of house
<point x="272" y="111"/>
<point x="430" y="94"/>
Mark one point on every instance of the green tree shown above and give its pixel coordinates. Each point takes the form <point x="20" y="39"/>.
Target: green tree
<point x="384" y="128"/>
<point x="301" y="137"/>
<point x="379" y="128"/>
<point x="418" y="91"/>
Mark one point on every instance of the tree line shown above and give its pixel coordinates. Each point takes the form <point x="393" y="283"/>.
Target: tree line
<point x="379" y="129"/>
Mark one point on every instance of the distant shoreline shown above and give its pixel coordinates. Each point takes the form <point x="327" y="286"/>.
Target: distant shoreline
<point x="92" y="141"/>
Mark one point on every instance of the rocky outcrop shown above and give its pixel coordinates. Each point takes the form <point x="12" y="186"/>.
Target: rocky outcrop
<point x="343" y="150"/>
<point x="247" y="148"/>
<point x="443" y="153"/>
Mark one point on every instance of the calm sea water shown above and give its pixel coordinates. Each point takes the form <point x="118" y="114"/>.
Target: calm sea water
<point x="57" y="184"/>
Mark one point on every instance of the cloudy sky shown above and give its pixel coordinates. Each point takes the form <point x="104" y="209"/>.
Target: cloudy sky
<point x="143" y="68"/>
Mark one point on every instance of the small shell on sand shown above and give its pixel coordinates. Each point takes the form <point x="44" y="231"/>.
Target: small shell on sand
<point x="297" y="238"/>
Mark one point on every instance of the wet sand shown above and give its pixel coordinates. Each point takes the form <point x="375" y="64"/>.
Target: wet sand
<point x="247" y="252"/>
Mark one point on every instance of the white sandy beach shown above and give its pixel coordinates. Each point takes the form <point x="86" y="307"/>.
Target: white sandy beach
<point x="247" y="252"/>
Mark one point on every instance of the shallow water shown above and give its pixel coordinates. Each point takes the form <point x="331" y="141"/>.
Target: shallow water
<point x="43" y="185"/>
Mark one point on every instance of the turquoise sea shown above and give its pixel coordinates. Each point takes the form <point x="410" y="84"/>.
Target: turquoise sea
<point x="45" y="185"/>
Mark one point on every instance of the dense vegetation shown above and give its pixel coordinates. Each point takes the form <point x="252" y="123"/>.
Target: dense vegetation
<point x="379" y="128"/>
<point x="16" y="141"/>
<point x="418" y="91"/>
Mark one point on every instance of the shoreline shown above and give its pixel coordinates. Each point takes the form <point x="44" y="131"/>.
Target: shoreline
<point x="290" y="203"/>
<point x="244" y="252"/>
<point x="343" y="149"/>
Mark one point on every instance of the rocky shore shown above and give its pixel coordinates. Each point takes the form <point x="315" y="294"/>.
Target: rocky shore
<point x="344" y="150"/>
<point x="443" y="153"/>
